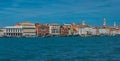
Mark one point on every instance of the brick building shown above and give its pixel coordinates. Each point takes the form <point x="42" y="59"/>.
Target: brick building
<point x="42" y="29"/>
<point x="65" y="30"/>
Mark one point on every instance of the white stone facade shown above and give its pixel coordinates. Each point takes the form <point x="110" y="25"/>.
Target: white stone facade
<point x="2" y="32"/>
<point x="104" y="31"/>
<point x="28" y="29"/>
<point x="54" y="29"/>
<point x="84" y="30"/>
<point x="115" y="32"/>
<point x="13" y="31"/>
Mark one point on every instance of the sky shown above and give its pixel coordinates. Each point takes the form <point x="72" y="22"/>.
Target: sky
<point x="59" y="11"/>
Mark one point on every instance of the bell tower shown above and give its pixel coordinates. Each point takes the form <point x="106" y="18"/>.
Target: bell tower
<point x="104" y="24"/>
<point x="83" y="22"/>
<point x="115" y="24"/>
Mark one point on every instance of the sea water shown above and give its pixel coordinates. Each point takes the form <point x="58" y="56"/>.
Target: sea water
<point x="96" y="48"/>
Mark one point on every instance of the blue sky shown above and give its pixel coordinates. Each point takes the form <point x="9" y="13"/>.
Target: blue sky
<point x="59" y="11"/>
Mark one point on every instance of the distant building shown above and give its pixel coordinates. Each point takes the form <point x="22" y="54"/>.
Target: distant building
<point x="13" y="31"/>
<point x="54" y="29"/>
<point x="42" y="29"/>
<point x="28" y="28"/>
<point x="74" y="29"/>
<point x="93" y="31"/>
<point x="69" y="29"/>
<point x="82" y="31"/>
<point x="97" y="30"/>
<point x="2" y="32"/>
<point x="65" y="30"/>
<point x="104" y="30"/>
<point x="85" y="29"/>
<point x="115" y="30"/>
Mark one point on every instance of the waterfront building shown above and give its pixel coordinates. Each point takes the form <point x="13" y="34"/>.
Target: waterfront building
<point x="2" y="32"/>
<point x="28" y="28"/>
<point x="104" y="30"/>
<point x="65" y="30"/>
<point x="69" y="29"/>
<point x="13" y="31"/>
<point x="84" y="29"/>
<point x="97" y="30"/>
<point x="42" y="29"/>
<point x="54" y="29"/>
<point x="115" y="30"/>
<point x="74" y="29"/>
<point x="93" y="31"/>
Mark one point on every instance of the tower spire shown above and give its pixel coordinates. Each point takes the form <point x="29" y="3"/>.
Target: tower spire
<point x="115" y="24"/>
<point x="104" y="24"/>
<point x="83" y="22"/>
